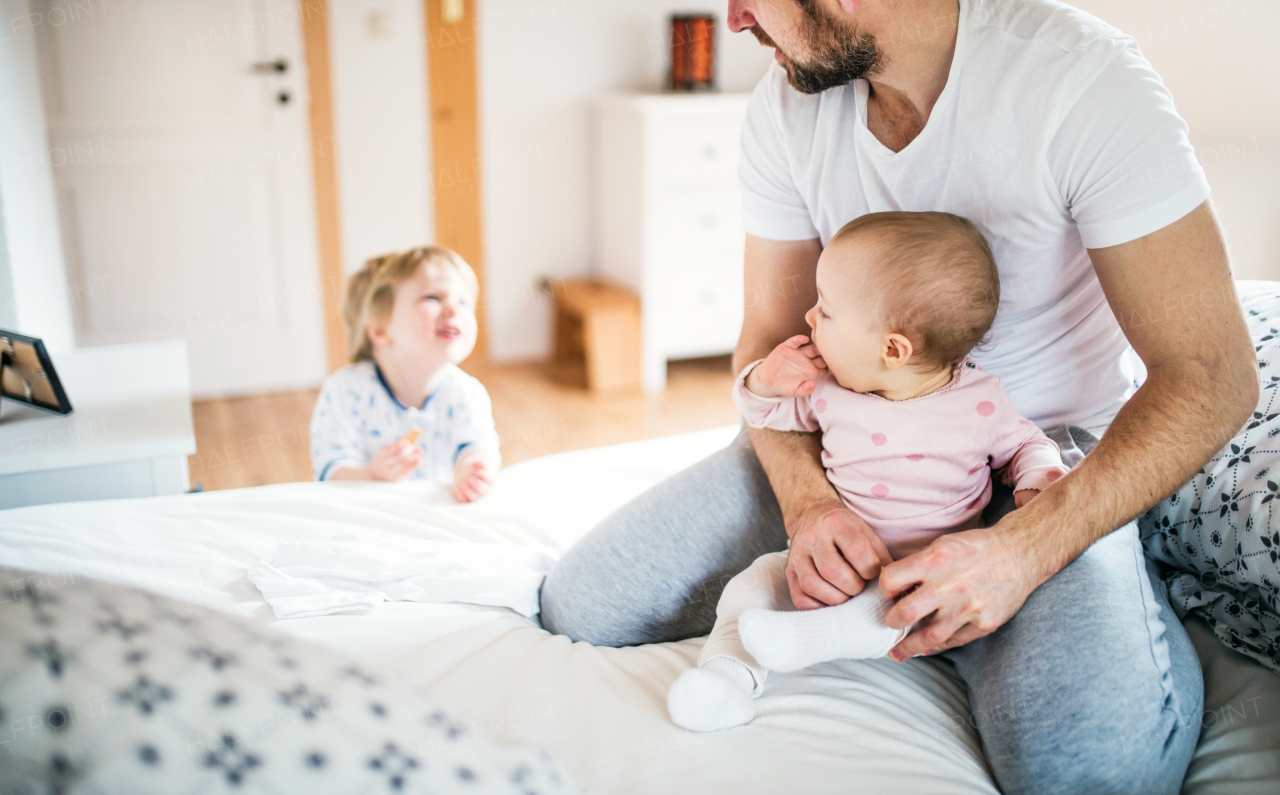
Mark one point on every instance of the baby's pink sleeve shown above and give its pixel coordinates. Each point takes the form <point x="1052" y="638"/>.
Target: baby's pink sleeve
<point x="779" y="414"/>
<point x="1026" y="458"/>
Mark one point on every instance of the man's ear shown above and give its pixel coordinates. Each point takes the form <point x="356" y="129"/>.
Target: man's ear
<point x="897" y="350"/>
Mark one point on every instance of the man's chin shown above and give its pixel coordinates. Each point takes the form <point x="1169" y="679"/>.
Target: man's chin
<point x="809" y="83"/>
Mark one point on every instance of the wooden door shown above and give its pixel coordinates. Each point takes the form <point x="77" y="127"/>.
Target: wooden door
<point x="178" y="139"/>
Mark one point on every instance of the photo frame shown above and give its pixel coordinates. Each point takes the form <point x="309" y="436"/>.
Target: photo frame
<point x="27" y="374"/>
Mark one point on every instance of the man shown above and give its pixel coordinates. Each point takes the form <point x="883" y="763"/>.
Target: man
<point x="1047" y="129"/>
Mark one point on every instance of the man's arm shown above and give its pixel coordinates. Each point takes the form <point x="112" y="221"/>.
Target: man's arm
<point x="833" y="552"/>
<point x="1173" y="294"/>
<point x="779" y="287"/>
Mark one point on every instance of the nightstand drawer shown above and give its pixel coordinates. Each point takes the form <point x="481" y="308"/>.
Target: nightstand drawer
<point x="701" y="152"/>
<point x="701" y="221"/>
<point x="701" y="305"/>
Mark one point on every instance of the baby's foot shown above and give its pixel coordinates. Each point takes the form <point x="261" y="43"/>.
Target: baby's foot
<point x="713" y="697"/>
<point x="791" y="640"/>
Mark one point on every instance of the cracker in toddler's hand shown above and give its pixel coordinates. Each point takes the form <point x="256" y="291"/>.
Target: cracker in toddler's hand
<point x="412" y="436"/>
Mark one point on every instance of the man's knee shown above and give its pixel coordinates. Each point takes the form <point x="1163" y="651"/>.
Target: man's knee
<point x="1092" y="686"/>
<point x="1040" y="739"/>
<point x="613" y="600"/>
<point x="580" y="600"/>
<point x="1093" y="759"/>
<point x="556" y="607"/>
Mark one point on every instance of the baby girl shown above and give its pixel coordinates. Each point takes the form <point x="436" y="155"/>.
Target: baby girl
<point x="911" y="432"/>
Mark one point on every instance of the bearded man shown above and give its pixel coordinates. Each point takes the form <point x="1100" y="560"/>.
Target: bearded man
<point x="1049" y="130"/>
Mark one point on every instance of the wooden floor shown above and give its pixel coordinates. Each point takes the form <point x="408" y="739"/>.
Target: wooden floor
<point x="253" y="441"/>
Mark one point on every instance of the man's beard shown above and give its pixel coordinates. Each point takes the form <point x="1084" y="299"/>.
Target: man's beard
<point x="841" y="55"/>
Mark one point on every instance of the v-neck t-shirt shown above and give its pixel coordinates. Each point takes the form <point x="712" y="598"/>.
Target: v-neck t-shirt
<point x="1053" y="135"/>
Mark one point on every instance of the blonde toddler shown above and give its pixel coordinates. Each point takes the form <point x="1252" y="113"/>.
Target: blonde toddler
<point x="403" y="409"/>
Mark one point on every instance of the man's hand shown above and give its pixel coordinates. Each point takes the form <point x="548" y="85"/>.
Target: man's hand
<point x="833" y="554"/>
<point x="962" y="586"/>
<point x="1023" y="496"/>
<point x="789" y="371"/>
<point x="396" y="461"/>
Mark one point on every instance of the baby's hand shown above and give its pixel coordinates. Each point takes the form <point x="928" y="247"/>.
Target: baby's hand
<point x="472" y="479"/>
<point x="789" y="371"/>
<point x="396" y="461"/>
<point x="1023" y="496"/>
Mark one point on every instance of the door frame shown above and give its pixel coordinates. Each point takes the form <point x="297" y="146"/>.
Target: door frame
<point x="453" y="118"/>
<point x="324" y="168"/>
<point x="455" y="138"/>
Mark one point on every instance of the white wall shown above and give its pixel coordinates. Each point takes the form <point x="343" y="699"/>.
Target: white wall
<point x="541" y="61"/>
<point x="35" y="274"/>
<point x="378" y="68"/>
<point x="1221" y="61"/>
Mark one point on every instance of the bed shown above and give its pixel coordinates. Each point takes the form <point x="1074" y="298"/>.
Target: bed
<point x="865" y="726"/>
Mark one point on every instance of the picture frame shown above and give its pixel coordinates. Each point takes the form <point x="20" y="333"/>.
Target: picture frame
<point x="27" y="374"/>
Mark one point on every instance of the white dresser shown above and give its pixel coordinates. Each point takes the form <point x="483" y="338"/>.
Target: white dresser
<point x="129" y="435"/>
<point x="669" y="218"/>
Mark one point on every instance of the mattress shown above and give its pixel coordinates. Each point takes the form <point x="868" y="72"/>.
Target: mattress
<point x="865" y="726"/>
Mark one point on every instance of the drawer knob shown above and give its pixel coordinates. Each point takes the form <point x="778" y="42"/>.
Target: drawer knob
<point x="710" y="152"/>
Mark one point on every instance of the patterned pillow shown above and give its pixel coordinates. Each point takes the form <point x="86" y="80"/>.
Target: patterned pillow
<point x="1219" y="535"/>
<point x="111" y="689"/>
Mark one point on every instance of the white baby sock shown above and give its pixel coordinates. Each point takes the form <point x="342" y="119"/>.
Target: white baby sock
<point x="715" y="696"/>
<point x="791" y="640"/>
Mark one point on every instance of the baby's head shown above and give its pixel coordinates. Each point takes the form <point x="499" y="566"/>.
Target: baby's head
<point x="902" y="297"/>
<point x="414" y="306"/>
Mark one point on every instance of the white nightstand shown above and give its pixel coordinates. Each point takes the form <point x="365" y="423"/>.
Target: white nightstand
<point x="129" y="435"/>
<point x="669" y="221"/>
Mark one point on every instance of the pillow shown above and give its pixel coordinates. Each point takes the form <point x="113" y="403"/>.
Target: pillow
<point x="1218" y="536"/>
<point x="105" y="688"/>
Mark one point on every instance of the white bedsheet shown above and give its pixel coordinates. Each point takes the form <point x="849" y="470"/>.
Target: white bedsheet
<point x="349" y="574"/>
<point x="840" y="727"/>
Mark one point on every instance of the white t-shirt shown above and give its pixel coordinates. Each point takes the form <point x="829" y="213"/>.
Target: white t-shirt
<point x="1053" y="135"/>
<point x="356" y="416"/>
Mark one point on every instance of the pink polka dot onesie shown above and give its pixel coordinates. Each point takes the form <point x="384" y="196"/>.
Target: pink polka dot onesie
<point x="915" y="469"/>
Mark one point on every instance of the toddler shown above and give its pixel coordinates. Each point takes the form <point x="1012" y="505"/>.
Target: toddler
<point x="911" y="431"/>
<point x="403" y="409"/>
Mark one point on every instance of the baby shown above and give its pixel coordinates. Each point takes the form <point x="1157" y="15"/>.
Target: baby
<point x="911" y="431"/>
<point x="402" y="409"/>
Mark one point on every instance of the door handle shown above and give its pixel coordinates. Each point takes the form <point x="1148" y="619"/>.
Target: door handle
<point x="277" y="67"/>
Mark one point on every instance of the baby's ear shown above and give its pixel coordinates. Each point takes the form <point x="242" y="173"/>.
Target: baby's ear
<point x="897" y="350"/>
<point x="377" y="334"/>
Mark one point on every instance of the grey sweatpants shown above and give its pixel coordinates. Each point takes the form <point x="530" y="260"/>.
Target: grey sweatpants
<point x="1097" y="683"/>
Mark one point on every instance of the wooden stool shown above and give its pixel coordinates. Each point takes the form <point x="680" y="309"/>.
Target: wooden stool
<point x="598" y="322"/>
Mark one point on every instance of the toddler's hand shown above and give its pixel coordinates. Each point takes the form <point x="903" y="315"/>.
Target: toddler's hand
<point x="396" y="461"/>
<point x="789" y="371"/>
<point x="1023" y="496"/>
<point x="472" y="479"/>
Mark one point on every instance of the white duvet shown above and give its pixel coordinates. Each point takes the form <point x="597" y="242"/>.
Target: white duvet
<point x="841" y="727"/>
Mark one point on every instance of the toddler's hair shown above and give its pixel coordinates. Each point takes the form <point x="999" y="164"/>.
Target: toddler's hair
<point x="936" y="283"/>
<point x="371" y="291"/>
